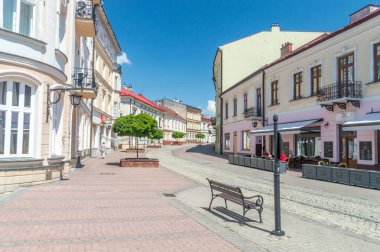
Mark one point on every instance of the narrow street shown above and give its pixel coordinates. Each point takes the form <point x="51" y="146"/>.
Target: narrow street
<point x="345" y="218"/>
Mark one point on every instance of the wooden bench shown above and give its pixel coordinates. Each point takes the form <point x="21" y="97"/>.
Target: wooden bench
<point x="235" y="195"/>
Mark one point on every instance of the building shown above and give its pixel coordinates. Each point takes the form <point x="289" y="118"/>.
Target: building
<point x="325" y="94"/>
<point x="172" y="122"/>
<point x="193" y="123"/>
<point x="237" y="60"/>
<point x="108" y="79"/>
<point x="207" y="129"/>
<point x="44" y="94"/>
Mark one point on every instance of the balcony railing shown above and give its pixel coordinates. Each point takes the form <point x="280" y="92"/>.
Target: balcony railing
<point x="83" y="78"/>
<point x="340" y="90"/>
<point x="253" y="112"/>
<point x="84" y="9"/>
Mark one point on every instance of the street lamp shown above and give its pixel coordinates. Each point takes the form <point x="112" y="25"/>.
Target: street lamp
<point x="75" y="99"/>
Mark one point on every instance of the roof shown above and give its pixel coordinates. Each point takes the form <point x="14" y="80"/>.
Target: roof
<point x="170" y="112"/>
<point x="141" y="98"/>
<point x="324" y="37"/>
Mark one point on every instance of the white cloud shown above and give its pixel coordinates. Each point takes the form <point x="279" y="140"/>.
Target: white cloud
<point x="123" y="59"/>
<point x="211" y="107"/>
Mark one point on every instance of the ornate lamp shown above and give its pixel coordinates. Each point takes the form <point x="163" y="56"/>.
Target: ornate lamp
<point x="75" y="99"/>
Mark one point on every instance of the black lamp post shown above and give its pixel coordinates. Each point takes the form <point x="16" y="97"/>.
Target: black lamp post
<point x="75" y="101"/>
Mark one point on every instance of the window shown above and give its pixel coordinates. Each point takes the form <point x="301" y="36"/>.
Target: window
<point x="18" y="16"/>
<point x="297" y="80"/>
<point x="376" y="65"/>
<point x="245" y="102"/>
<point x="235" y="107"/>
<point x="245" y="139"/>
<point x="15" y="118"/>
<point x="315" y="74"/>
<point x="226" y="110"/>
<point x="274" y="89"/>
<point x="227" y="142"/>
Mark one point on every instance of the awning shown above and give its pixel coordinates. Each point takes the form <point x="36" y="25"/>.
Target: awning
<point x="286" y="128"/>
<point x="369" y="121"/>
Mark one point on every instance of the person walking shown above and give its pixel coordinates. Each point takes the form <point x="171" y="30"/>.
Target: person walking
<point x="102" y="150"/>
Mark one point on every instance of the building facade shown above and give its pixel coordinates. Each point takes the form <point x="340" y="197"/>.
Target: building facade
<point x="173" y="122"/>
<point x="193" y="123"/>
<point x="237" y="60"/>
<point x="207" y="129"/>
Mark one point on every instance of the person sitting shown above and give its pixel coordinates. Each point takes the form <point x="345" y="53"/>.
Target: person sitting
<point x="269" y="155"/>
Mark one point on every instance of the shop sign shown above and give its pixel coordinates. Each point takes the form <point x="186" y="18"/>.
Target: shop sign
<point x="345" y="117"/>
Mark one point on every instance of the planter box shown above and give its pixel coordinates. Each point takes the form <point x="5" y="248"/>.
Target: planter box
<point x="154" y="146"/>
<point x="309" y="171"/>
<point x="231" y="159"/>
<point x="236" y="159"/>
<point x="241" y="160"/>
<point x="260" y="163"/>
<point x="340" y="175"/>
<point x="374" y="179"/>
<point x="324" y="173"/>
<point x="139" y="162"/>
<point x="254" y="163"/>
<point x="359" y="178"/>
<point x="247" y="161"/>
<point x="268" y="165"/>
<point x="134" y="150"/>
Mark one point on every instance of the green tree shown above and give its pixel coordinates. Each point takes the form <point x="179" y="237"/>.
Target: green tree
<point x="141" y="125"/>
<point x="156" y="134"/>
<point x="200" y="136"/>
<point x="177" y="135"/>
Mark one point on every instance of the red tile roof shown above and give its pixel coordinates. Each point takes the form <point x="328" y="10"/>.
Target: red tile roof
<point x="141" y="98"/>
<point x="170" y="112"/>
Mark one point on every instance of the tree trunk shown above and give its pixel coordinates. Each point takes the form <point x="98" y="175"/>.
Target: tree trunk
<point x="137" y="147"/>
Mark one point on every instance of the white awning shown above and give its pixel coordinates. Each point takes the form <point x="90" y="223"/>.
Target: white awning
<point x="369" y="121"/>
<point x="285" y="128"/>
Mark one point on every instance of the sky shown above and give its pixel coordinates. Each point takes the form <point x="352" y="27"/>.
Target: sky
<point x="169" y="45"/>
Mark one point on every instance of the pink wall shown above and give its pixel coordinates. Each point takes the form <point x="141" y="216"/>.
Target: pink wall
<point x="239" y="127"/>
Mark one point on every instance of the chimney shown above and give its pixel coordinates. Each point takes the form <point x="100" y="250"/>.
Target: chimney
<point x="275" y="27"/>
<point x="130" y="88"/>
<point x="363" y="12"/>
<point x="286" y="49"/>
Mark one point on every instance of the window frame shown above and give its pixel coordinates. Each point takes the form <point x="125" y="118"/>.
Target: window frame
<point x="245" y="104"/>
<point x="227" y="146"/>
<point x="297" y="85"/>
<point x="317" y="78"/>
<point x="235" y="107"/>
<point x="17" y="15"/>
<point x="245" y="135"/>
<point x="21" y="111"/>
<point x="274" y="92"/>
<point x="226" y="112"/>
<point x="376" y="59"/>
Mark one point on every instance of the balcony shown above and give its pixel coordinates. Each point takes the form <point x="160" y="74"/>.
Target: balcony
<point x="340" y="94"/>
<point x="253" y="112"/>
<point x="84" y="84"/>
<point x="84" y="19"/>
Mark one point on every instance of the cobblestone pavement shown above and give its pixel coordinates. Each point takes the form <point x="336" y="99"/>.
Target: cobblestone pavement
<point x="316" y="216"/>
<point x="102" y="207"/>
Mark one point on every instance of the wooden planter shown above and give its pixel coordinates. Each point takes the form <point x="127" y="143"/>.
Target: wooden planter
<point x="134" y="150"/>
<point x="139" y="162"/>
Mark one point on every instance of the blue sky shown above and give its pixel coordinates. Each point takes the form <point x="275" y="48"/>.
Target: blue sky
<point x="171" y="44"/>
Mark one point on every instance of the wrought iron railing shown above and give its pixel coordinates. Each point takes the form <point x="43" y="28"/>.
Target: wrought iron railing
<point x="351" y="89"/>
<point x="83" y="78"/>
<point x="84" y="9"/>
<point x="253" y="112"/>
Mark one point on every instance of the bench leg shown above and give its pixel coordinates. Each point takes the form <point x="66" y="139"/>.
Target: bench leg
<point x="261" y="220"/>
<point x="225" y="202"/>
<point x="243" y="218"/>
<point x="212" y="198"/>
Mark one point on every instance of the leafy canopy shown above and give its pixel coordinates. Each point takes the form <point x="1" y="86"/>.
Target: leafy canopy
<point x="140" y="125"/>
<point x="156" y="134"/>
<point x="177" y="134"/>
<point x="200" y="135"/>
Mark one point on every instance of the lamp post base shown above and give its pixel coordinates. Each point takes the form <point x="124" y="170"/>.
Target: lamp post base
<point x="78" y="165"/>
<point x="277" y="233"/>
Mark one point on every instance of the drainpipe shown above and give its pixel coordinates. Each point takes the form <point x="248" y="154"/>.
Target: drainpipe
<point x="263" y="106"/>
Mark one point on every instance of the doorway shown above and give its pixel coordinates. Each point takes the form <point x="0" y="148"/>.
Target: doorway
<point x="348" y="147"/>
<point x="345" y="76"/>
<point x="235" y="143"/>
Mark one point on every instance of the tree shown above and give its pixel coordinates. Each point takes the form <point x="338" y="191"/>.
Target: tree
<point x="156" y="134"/>
<point x="200" y="136"/>
<point x="177" y="135"/>
<point x="141" y="125"/>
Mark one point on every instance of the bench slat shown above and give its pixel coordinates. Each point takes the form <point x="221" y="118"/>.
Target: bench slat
<point x="226" y="191"/>
<point x="229" y="187"/>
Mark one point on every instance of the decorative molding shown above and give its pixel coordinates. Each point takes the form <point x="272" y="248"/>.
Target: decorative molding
<point x="328" y="107"/>
<point x="340" y="105"/>
<point x="354" y="103"/>
<point x="28" y="41"/>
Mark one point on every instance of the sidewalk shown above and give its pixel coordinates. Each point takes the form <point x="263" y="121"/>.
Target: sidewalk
<point x="102" y="207"/>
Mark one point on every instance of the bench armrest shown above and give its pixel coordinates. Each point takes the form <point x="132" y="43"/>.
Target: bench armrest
<point x="259" y="200"/>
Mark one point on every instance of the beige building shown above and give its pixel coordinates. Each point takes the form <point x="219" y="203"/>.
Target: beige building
<point x="193" y="123"/>
<point x="237" y="60"/>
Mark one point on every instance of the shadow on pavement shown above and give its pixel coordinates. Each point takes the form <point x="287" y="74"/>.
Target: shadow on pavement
<point x="113" y="163"/>
<point x="235" y="217"/>
<point x="206" y="149"/>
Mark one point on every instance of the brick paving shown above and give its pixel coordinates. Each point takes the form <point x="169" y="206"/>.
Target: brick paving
<point x="102" y="207"/>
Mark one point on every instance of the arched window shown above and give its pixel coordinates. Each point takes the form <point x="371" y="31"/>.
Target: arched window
<point x="16" y="108"/>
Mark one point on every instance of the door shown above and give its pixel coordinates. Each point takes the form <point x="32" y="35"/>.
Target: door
<point x="348" y="151"/>
<point x="345" y="76"/>
<point x="235" y="143"/>
<point x="259" y="150"/>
